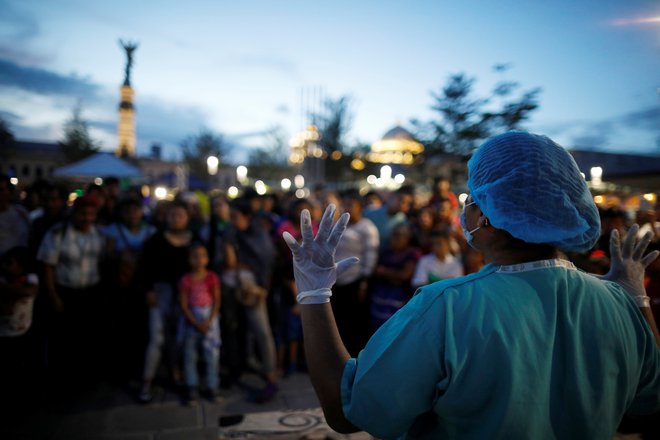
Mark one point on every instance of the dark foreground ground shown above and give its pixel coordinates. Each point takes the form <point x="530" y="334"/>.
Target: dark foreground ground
<point x="111" y="412"/>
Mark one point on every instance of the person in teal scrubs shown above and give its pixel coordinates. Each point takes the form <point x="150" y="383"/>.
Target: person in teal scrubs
<point x="529" y="347"/>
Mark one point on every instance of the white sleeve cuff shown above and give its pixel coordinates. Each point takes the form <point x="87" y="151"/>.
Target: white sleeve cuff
<point x="642" y="301"/>
<point x="317" y="296"/>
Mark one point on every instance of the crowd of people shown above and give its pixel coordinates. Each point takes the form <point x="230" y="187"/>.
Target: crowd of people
<point x="113" y="287"/>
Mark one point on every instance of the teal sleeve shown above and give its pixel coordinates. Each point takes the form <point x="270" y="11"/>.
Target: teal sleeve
<point x="395" y="378"/>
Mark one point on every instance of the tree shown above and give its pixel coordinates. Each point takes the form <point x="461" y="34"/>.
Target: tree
<point x="197" y="149"/>
<point x="6" y="135"/>
<point x="6" y="139"/>
<point x="333" y="123"/>
<point x="77" y="143"/>
<point x="466" y="120"/>
<point x="274" y="150"/>
<point x="270" y="161"/>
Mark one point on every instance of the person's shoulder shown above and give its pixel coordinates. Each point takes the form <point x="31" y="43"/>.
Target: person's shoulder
<point x="20" y="211"/>
<point x="58" y="229"/>
<point x="366" y="223"/>
<point x="427" y="259"/>
<point x="372" y="213"/>
<point x="111" y="230"/>
<point x="452" y="261"/>
<point x="212" y="276"/>
<point x="98" y="231"/>
<point x="604" y="289"/>
<point x="185" y="279"/>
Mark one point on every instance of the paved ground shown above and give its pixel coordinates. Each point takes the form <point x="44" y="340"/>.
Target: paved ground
<point x="111" y="413"/>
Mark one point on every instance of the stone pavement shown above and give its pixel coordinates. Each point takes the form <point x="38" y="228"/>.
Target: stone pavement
<point x="112" y="413"/>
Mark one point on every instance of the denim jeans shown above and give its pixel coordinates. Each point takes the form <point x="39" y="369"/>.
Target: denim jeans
<point x="209" y="344"/>
<point x="259" y="325"/>
<point x="162" y="331"/>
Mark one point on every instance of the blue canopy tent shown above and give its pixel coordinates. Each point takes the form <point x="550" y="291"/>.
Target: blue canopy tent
<point x="99" y="165"/>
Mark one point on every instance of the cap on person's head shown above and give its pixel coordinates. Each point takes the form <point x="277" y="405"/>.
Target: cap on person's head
<point x="86" y="201"/>
<point x="532" y="188"/>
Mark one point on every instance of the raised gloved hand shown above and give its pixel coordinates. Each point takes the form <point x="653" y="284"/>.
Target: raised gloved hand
<point x="314" y="264"/>
<point x="627" y="264"/>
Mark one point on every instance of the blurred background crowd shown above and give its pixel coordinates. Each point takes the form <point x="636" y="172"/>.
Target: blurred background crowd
<point x="90" y="287"/>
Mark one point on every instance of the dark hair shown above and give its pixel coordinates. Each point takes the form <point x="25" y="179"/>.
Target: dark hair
<point x="178" y="203"/>
<point x="242" y="205"/>
<point x="407" y="190"/>
<point x="293" y="208"/>
<point x="111" y="180"/>
<point x="196" y="244"/>
<point x="86" y="201"/>
<point x="94" y="187"/>
<point x="128" y="202"/>
<point x="440" y="233"/>
<point x="249" y="194"/>
<point x="61" y="190"/>
<point x="22" y="255"/>
<point x="404" y="227"/>
<point x="6" y="179"/>
<point x="611" y="213"/>
<point x="513" y="243"/>
<point x="352" y="194"/>
<point x="374" y="194"/>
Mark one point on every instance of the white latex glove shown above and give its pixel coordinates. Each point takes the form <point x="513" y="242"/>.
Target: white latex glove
<point x="314" y="264"/>
<point x="627" y="265"/>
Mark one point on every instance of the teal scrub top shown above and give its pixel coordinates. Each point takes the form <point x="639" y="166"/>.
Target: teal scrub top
<point x="539" y="350"/>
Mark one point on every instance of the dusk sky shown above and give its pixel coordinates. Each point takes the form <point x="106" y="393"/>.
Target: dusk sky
<point x="238" y="68"/>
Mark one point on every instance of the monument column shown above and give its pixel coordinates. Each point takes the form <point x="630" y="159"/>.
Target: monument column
<point x="126" y="127"/>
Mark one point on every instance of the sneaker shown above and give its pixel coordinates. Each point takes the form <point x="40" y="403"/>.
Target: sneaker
<point x="190" y="397"/>
<point x="145" y="395"/>
<point x="267" y="393"/>
<point x="213" y="396"/>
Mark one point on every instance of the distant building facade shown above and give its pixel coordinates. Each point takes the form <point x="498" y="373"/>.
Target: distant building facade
<point x="31" y="161"/>
<point x="636" y="172"/>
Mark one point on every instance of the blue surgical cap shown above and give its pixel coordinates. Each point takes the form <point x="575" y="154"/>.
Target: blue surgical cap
<point x="531" y="187"/>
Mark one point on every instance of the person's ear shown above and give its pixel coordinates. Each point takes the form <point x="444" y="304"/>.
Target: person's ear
<point x="483" y="220"/>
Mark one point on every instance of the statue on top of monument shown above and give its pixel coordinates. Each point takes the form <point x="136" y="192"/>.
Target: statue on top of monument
<point x="129" y="47"/>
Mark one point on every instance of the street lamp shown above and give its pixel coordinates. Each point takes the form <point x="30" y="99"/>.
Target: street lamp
<point x="596" y="176"/>
<point x="386" y="172"/>
<point x="232" y="192"/>
<point x="160" y="192"/>
<point x="241" y="173"/>
<point x="260" y="187"/>
<point x="212" y="165"/>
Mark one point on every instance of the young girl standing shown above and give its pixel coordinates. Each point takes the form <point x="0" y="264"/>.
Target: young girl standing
<point x="199" y="294"/>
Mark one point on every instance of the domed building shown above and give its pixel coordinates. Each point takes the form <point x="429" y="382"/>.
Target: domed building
<point x="397" y="146"/>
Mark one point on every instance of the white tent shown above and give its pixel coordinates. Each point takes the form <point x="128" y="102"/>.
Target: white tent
<point x="99" y="165"/>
